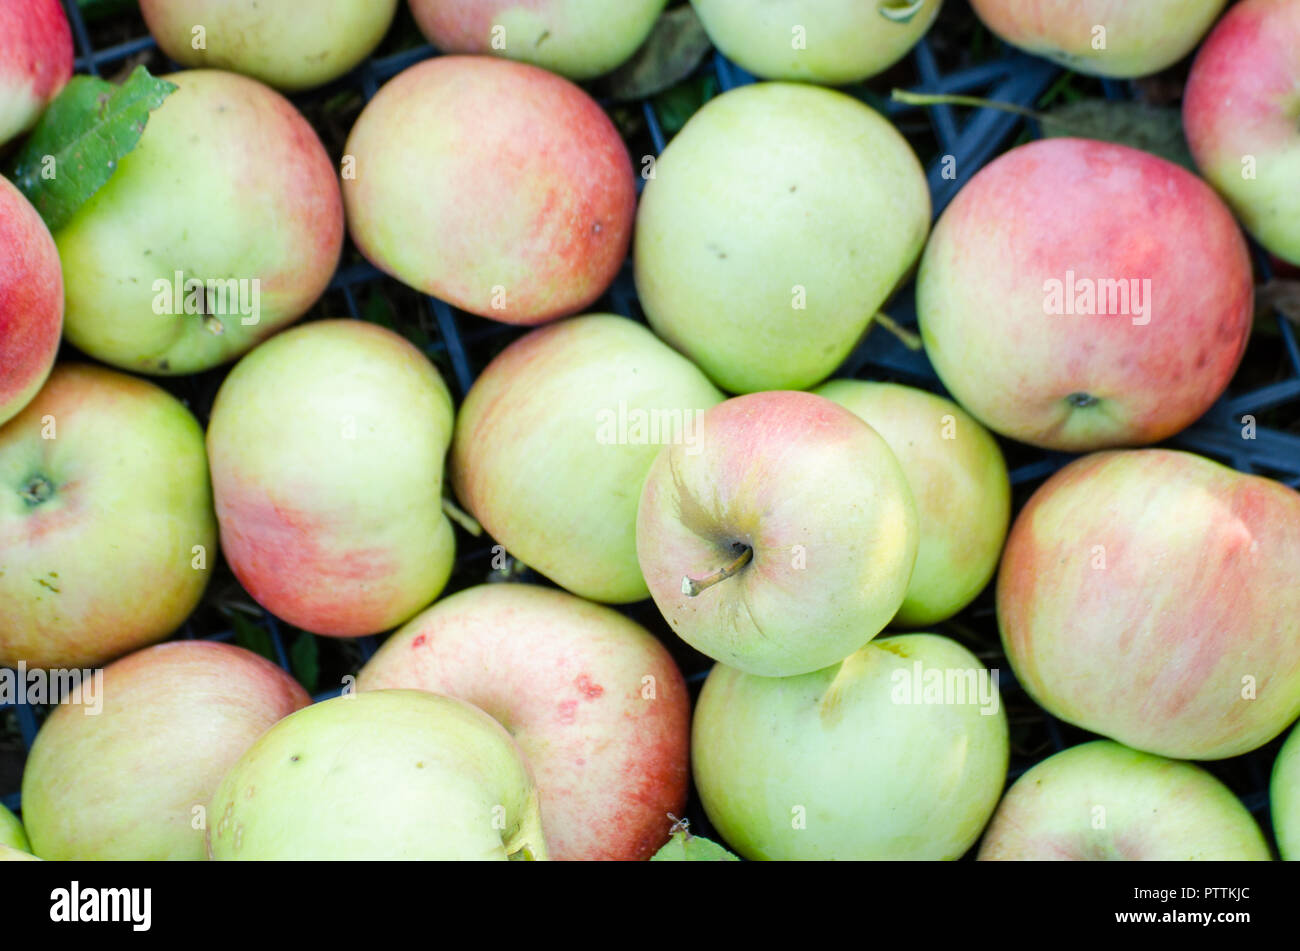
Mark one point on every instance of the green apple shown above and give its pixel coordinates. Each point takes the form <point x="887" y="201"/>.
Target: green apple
<point x="327" y="446"/>
<point x="1284" y="796"/>
<point x="830" y="41"/>
<point x="1103" y="37"/>
<point x="555" y="439"/>
<point x="384" y="774"/>
<point x="898" y="752"/>
<point x="773" y="228"/>
<point x="1104" y="801"/>
<point x="280" y="42"/>
<point x="581" y="39"/>
<point x="222" y="226"/>
<point x="130" y="780"/>
<point x="684" y="847"/>
<point x="107" y="534"/>
<point x="784" y="541"/>
<point x="11" y="831"/>
<point x="9" y="854"/>
<point x="959" y="481"/>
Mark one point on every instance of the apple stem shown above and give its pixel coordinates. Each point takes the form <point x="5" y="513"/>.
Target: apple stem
<point x="910" y="340"/>
<point x="691" y="587"/>
<point x="461" y="517"/>
<point x="949" y="99"/>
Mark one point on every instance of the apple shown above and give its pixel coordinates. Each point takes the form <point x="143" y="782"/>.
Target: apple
<point x="773" y="228"/>
<point x="786" y="539"/>
<point x="327" y="445"/>
<point x="1284" y="797"/>
<point x="501" y="188"/>
<point x="1149" y="596"/>
<point x="594" y="701"/>
<point x="10" y="854"/>
<point x="581" y="39"/>
<point x="35" y="61"/>
<point x="684" y="847"/>
<point x="899" y="751"/>
<point x="959" y="481"/>
<point x="1079" y="295"/>
<point x="556" y="436"/>
<point x="11" y="831"/>
<point x="1102" y="37"/>
<point x="107" y="534"/>
<point x="275" y="41"/>
<point x="222" y="226"/>
<point x="835" y="42"/>
<point x="1103" y="801"/>
<point x="384" y="774"/>
<point x="1239" y="112"/>
<point x="31" y="301"/>
<point x="131" y="781"/>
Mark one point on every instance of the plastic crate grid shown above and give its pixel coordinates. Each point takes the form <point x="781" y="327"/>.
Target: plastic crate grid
<point x="968" y="143"/>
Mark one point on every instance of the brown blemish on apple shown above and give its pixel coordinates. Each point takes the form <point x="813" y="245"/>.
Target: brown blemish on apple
<point x="588" y="689"/>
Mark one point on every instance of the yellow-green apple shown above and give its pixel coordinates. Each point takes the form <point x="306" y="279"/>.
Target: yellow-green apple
<point x="384" y="774"/>
<point x="10" y="854"/>
<point x="1101" y="801"/>
<point x="831" y="41"/>
<point x="1150" y="596"/>
<point x="1240" y="113"/>
<point x="11" y="831"/>
<point x="785" y="541"/>
<point x="555" y="439"/>
<point x="327" y="446"/>
<point x="594" y="701"/>
<point x="897" y="752"/>
<point x="497" y="186"/>
<point x="1284" y="798"/>
<point x="107" y="534"/>
<point x="1080" y="295"/>
<point x="276" y="41"/>
<point x="31" y="301"/>
<point x="222" y="226"/>
<point x="1103" y="37"/>
<point x="960" y="484"/>
<point x="132" y="781"/>
<point x="773" y="228"/>
<point x="35" y="61"/>
<point x="580" y="39"/>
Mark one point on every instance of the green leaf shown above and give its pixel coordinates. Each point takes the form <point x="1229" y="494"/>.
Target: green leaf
<point x="252" y="637"/>
<point x="304" y="658"/>
<point x="1155" y="129"/>
<point x="684" y="847"/>
<point x="76" y="145"/>
<point x="678" y="104"/>
<point x="670" y="54"/>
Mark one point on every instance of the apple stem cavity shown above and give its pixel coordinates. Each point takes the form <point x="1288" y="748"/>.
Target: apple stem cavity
<point x="461" y="517"/>
<point x="692" y="588"/>
<point x="1082" y="400"/>
<point x="37" y="490"/>
<point x="909" y="339"/>
<point x="900" y="11"/>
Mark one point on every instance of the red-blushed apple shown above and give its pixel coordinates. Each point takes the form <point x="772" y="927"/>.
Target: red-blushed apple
<point x="1116" y="38"/>
<point x="35" y="61"/>
<point x="496" y="186"/>
<point x="31" y="301"/>
<point x="222" y="226"/>
<point x="107" y="534"/>
<point x="327" y="446"/>
<point x="773" y="228"/>
<point x="11" y="831"/>
<point x="960" y="484"/>
<point x="1149" y="596"/>
<point x="1240" y="113"/>
<point x="556" y="436"/>
<point x="1284" y="798"/>
<point x="786" y="539"/>
<point x="1101" y="801"/>
<point x="277" y="41"/>
<point x="132" y="781"/>
<point x="831" y="41"/>
<point x="580" y="39"/>
<point x="594" y="701"/>
<point x="383" y="774"/>
<point x="1080" y="295"/>
<point x="898" y="752"/>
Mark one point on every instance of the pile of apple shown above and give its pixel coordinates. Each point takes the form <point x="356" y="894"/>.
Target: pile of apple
<point x="806" y="533"/>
